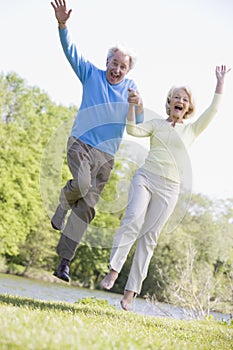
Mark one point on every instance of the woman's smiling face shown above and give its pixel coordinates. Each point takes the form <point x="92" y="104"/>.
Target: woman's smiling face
<point x="179" y="104"/>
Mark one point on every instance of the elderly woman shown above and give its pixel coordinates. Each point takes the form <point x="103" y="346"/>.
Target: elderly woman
<point x="156" y="185"/>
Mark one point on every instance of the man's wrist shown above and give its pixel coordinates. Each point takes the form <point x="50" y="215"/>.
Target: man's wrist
<point x="139" y="109"/>
<point x="62" y="24"/>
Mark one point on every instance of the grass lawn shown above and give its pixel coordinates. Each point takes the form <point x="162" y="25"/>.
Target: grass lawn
<point x="94" y="324"/>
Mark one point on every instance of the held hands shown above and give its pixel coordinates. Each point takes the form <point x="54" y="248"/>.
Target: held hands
<point x="220" y="72"/>
<point x="61" y="13"/>
<point x="134" y="97"/>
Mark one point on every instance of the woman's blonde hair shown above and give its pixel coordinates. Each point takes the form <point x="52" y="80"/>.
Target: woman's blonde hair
<point x="191" y="101"/>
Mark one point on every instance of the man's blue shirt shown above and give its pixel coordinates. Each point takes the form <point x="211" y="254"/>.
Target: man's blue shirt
<point x="101" y="118"/>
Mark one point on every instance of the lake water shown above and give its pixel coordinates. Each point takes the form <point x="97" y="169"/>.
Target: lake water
<point x="48" y="291"/>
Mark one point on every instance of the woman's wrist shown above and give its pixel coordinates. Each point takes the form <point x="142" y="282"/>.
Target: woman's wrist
<point x="219" y="87"/>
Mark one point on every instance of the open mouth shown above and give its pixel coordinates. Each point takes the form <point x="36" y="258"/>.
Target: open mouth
<point x="114" y="75"/>
<point x="179" y="108"/>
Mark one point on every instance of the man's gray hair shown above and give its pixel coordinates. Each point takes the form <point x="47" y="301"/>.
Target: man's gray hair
<point x="125" y="51"/>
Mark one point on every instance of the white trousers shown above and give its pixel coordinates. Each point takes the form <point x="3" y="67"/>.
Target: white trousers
<point x="152" y="200"/>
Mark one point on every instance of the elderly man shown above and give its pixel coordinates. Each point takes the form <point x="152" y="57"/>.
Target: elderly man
<point x="94" y="139"/>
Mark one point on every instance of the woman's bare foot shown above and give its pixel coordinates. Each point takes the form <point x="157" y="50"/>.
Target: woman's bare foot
<point x="109" y="280"/>
<point x="127" y="299"/>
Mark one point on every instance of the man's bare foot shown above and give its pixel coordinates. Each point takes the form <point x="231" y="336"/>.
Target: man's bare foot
<point x="127" y="299"/>
<point x="109" y="280"/>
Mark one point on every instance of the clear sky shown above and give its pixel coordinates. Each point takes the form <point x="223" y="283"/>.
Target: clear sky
<point x="176" y="42"/>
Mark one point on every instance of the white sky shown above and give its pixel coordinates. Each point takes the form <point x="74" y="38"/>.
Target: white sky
<point x="176" y="42"/>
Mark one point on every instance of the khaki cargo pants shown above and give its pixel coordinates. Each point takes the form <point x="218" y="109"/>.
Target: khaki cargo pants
<point x="90" y="169"/>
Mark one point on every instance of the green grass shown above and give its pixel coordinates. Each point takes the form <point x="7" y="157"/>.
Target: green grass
<point x="94" y="324"/>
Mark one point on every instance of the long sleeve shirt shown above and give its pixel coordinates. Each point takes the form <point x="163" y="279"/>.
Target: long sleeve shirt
<point x="101" y="118"/>
<point x="168" y="145"/>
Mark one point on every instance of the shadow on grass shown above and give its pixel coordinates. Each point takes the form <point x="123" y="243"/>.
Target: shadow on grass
<point x="86" y="305"/>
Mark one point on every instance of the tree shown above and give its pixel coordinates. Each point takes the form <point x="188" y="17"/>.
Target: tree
<point x="28" y="119"/>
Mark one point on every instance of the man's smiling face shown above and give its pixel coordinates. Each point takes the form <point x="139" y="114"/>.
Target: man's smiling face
<point x="117" y="67"/>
